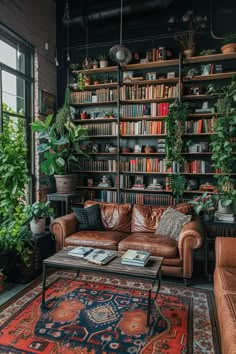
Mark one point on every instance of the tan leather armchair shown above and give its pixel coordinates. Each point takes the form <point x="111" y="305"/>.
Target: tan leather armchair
<point x="225" y="291"/>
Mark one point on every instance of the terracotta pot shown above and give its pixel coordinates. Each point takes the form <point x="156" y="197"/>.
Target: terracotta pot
<point x="148" y="150"/>
<point x="83" y="115"/>
<point x="189" y="53"/>
<point x="228" y="48"/>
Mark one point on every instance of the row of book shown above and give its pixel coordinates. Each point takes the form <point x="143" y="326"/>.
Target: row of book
<point x="101" y="129"/>
<point x="146" y="199"/>
<point x="143" y="127"/>
<point x="142" y="110"/>
<point x="144" y="164"/>
<point x="99" y="95"/>
<point x="98" y="165"/>
<point x="137" y="92"/>
<point x="200" y="126"/>
<point x="197" y="166"/>
<point x="108" y="196"/>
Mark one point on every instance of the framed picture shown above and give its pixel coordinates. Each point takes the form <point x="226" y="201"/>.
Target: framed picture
<point x="47" y="103"/>
<point x="151" y="76"/>
<point x="127" y="76"/>
<point x="138" y="179"/>
<point x="171" y="75"/>
<point x="194" y="90"/>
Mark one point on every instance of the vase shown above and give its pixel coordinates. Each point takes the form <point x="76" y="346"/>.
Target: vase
<point x="37" y="226"/>
<point x="189" y="53"/>
<point x="228" y="48"/>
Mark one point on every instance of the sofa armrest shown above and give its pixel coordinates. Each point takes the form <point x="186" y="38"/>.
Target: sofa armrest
<point x="191" y="237"/>
<point x="62" y="227"/>
<point x="225" y="251"/>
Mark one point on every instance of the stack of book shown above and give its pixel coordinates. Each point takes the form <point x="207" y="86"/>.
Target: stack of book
<point x="224" y="217"/>
<point x="93" y="255"/>
<point x="135" y="258"/>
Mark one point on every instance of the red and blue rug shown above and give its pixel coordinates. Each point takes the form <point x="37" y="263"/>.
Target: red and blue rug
<point x="107" y="317"/>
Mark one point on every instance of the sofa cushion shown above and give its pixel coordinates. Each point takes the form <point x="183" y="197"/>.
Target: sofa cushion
<point x="146" y="218"/>
<point x="114" y="216"/>
<point x="157" y="245"/>
<point x="89" y="218"/>
<point x="98" y="239"/>
<point x="171" y="223"/>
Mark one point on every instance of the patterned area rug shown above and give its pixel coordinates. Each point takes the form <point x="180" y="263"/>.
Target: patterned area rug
<point x="107" y="317"/>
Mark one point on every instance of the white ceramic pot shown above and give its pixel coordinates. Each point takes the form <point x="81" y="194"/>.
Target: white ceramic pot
<point x="37" y="226"/>
<point x="103" y="63"/>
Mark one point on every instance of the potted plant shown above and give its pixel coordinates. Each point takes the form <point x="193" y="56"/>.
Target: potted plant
<point x="37" y="214"/>
<point x="58" y="148"/>
<point x="177" y="184"/>
<point x="110" y="113"/>
<point x="103" y="60"/>
<point x="204" y="206"/>
<point x="229" y="43"/>
<point x="95" y="63"/>
<point x="193" y="27"/>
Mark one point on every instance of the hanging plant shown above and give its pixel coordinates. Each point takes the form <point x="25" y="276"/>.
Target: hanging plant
<point x="175" y="123"/>
<point x="223" y="142"/>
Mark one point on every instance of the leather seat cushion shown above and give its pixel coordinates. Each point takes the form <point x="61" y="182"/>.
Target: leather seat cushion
<point x="157" y="245"/>
<point x="225" y="280"/>
<point x="226" y="310"/>
<point x="99" y="239"/>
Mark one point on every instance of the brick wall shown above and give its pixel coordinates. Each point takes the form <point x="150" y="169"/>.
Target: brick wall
<point x="35" y="21"/>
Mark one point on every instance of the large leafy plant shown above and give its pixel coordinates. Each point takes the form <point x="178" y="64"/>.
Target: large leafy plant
<point x="57" y="146"/>
<point x="203" y="205"/>
<point x="14" y="235"/>
<point x="38" y="210"/>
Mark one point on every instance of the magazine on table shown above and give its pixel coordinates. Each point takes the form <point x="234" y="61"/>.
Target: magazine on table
<point x="94" y="255"/>
<point x="134" y="257"/>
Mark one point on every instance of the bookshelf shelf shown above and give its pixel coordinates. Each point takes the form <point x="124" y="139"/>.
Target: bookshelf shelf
<point x="95" y="87"/>
<point x="148" y="115"/>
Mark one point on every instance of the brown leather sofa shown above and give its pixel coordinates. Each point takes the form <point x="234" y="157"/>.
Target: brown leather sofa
<point x="130" y="226"/>
<point x="225" y="291"/>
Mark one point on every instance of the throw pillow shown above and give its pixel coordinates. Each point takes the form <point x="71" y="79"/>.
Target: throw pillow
<point x="89" y="218"/>
<point x="171" y="223"/>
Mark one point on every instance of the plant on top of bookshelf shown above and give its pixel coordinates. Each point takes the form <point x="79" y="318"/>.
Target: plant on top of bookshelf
<point x="229" y="43"/>
<point x="110" y="113"/>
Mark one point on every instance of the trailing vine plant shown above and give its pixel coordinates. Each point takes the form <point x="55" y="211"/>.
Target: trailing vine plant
<point x="175" y="123"/>
<point x="223" y="143"/>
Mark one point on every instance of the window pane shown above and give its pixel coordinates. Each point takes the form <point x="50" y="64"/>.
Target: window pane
<point x="12" y="57"/>
<point x="13" y="93"/>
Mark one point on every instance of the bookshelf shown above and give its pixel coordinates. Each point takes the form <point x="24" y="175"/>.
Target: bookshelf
<point x="141" y="107"/>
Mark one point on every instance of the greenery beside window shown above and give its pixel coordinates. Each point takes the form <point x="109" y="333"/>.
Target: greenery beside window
<point x="14" y="235"/>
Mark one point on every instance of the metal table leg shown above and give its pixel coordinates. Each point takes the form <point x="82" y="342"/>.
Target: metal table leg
<point x="44" y="285"/>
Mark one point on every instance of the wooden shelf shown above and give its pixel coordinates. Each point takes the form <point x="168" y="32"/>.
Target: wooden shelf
<point x="99" y="136"/>
<point x="219" y="76"/>
<point x="123" y="119"/>
<point x="142" y="153"/>
<point x="85" y="171"/>
<point x="156" y="100"/>
<point x="151" y="82"/>
<point x="209" y="58"/>
<point x="98" y="188"/>
<point x="142" y="136"/>
<point x="169" y="173"/>
<point x="198" y="97"/>
<point x="146" y="190"/>
<point x="94" y="87"/>
<point x="92" y="103"/>
<point x="95" y="121"/>
<point x="98" y="153"/>
<point x="203" y="115"/>
<point x="108" y="69"/>
<point x="153" y="64"/>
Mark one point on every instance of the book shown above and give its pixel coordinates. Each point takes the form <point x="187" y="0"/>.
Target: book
<point x="80" y="252"/>
<point x="134" y="257"/>
<point x="100" y="256"/>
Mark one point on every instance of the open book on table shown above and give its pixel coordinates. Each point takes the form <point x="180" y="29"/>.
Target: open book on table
<point x="94" y="255"/>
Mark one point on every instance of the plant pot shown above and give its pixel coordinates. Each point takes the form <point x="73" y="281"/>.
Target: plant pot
<point x="149" y="150"/>
<point x="207" y="217"/>
<point x="222" y="209"/>
<point x="189" y="53"/>
<point x="66" y="183"/>
<point x="228" y="48"/>
<point x="83" y="115"/>
<point x="37" y="226"/>
<point x="103" y="63"/>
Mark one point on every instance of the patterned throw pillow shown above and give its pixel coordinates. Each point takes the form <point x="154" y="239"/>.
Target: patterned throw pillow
<point x="89" y="218"/>
<point x="171" y="223"/>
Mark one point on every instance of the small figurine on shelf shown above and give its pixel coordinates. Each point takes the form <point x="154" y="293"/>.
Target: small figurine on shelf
<point x="107" y="146"/>
<point x="137" y="148"/>
<point x="95" y="147"/>
<point x="105" y="182"/>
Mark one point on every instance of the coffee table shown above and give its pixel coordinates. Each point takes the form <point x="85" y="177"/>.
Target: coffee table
<point x="151" y="272"/>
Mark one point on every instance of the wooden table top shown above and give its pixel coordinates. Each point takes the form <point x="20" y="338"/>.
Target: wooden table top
<point x="61" y="259"/>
